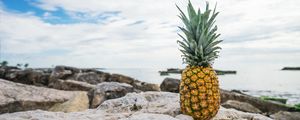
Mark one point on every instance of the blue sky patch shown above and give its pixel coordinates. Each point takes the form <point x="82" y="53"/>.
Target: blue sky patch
<point x="59" y="16"/>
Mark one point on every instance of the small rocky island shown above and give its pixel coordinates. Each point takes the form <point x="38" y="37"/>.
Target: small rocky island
<point x="291" y="68"/>
<point x="69" y="93"/>
<point x="179" y="71"/>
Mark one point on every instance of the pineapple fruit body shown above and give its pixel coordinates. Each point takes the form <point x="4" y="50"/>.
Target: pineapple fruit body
<point x="199" y="92"/>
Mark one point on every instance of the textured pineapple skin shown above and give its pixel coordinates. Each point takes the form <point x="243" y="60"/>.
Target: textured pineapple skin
<point x="199" y="92"/>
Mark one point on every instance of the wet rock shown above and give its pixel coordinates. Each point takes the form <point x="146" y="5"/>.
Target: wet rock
<point x="283" y="115"/>
<point x="264" y="106"/>
<point x="242" y="106"/>
<point x="108" y="90"/>
<point x="232" y="114"/>
<point x="170" y="85"/>
<point x="16" y="97"/>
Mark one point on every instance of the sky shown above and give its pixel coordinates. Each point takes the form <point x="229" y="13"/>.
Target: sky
<point x="143" y="33"/>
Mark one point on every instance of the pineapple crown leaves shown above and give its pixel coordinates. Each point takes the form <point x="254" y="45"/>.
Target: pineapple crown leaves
<point x="199" y="46"/>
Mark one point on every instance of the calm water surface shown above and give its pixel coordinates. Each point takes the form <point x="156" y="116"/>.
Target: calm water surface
<point x="262" y="82"/>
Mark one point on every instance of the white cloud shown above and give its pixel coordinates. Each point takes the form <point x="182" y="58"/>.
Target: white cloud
<point x="261" y="26"/>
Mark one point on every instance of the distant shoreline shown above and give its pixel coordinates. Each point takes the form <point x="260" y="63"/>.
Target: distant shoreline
<point x="179" y="71"/>
<point x="291" y="68"/>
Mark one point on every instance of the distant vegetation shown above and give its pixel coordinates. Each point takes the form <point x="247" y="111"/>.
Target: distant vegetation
<point x="19" y="65"/>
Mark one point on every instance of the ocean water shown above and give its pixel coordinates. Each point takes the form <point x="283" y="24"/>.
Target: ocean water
<point x="255" y="82"/>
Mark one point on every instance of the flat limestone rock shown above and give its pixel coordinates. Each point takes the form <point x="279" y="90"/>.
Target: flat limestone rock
<point x="242" y="106"/>
<point x="16" y="97"/>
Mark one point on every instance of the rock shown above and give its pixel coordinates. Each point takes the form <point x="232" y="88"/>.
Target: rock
<point x="63" y="72"/>
<point x="242" y="106"/>
<point x="170" y="85"/>
<point x="78" y="102"/>
<point x="143" y="86"/>
<point x="232" y="114"/>
<point x="146" y="102"/>
<point x="16" y="97"/>
<point x="71" y="85"/>
<point x="184" y="117"/>
<point x="121" y="79"/>
<point x="150" y="116"/>
<point x="27" y="76"/>
<point x="262" y="105"/>
<point x="283" y="115"/>
<point x="108" y="90"/>
<point x="133" y="106"/>
<point x="86" y="115"/>
<point x="71" y="78"/>
<point x="5" y="69"/>
<point x="92" y="77"/>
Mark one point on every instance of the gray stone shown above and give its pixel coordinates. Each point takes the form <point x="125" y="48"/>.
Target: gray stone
<point x="242" y="106"/>
<point x="27" y="76"/>
<point x="143" y="86"/>
<point x="72" y="85"/>
<point x="147" y="102"/>
<point x="108" y="90"/>
<point x="133" y="106"/>
<point x="170" y="85"/>
<point x="121" y="79"/>
<point x="283" y="115"/>
<point x="232" y="114"/>
<point x="184" y="117"/>
<point x="16" y="97"/>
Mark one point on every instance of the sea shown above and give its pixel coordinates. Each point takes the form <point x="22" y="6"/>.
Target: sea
<point x="255" y="82"/>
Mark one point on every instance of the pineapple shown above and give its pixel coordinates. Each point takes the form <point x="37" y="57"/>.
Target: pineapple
<point x="199" y="87"/>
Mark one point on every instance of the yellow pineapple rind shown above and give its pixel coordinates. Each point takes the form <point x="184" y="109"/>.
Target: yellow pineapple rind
<point x="199" y="92"/>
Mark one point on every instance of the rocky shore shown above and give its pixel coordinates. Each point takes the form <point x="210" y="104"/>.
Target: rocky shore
<point x="69" y="93"/>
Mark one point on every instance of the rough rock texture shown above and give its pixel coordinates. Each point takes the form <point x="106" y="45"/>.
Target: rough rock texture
<point x="27" y="76"/>
<point x="242" y="106"/>
<point x="141" y="106"/>
<point x="20" y="97"/>
<point x="282" y="115"/>
<point x="170" y="85"/>
<point x="108" y="90"/>
<point x="5" y="69"/>
<point x="121" y="79"/>
<point x="79" y="102"/>
<point x="147" y="102"/>
<point x="232" y="114"/>
<point x="264" y="106"/>
<point x="71" y="85"/>
<point x="90" y="76"/>
<point x="143" y="86"/>
<point x="184" y="117"/>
